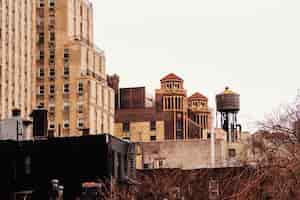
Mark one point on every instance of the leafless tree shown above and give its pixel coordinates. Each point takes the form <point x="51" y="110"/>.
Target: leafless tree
<point x="276" y="150"/>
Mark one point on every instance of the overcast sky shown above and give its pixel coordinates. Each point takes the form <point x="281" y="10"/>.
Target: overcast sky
<point x="252" y="46"/>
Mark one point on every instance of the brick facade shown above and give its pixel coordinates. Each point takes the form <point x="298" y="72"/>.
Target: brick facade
<point x="181" y="117"/>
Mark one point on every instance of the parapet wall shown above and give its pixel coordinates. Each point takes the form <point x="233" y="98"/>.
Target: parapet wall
<point x="184" y="154"/>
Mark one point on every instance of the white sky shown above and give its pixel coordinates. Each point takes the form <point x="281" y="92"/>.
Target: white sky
<point x="253" y="46"/>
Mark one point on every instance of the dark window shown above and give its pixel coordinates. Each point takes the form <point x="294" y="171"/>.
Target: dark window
<point x="179" y="125"/>
<point x="66" y="124"/>
<point x="213" y="189"/>
<point x="52" y="89"/>
<point x="126" y="138"/>
<point x="41" y="72"/>
<point x="52" y="36"/>
<point x="41" y="38"/>
<point x="42" y="55"/>
<point x="147" y="166"/>
<point x="153" y="125"/>
<point x="208" y="135"/>
<point x="126" y="126"/>
<point x="231" y="153"/>
<point x="52" y="3"/>
<point x="66" y="71"/>
<point x="42" y="89"/>
<point x="161" y="163"/>
<point x="179" y="135"/>
<point x="66" y="53"/>
<point x="52" y="72"/>
<point x="66" y="88"/>
<point x="153" y="138"/>
<point x="52" y="125"/>
<point x="42" y="104"/>
<point x="80" y="87"/>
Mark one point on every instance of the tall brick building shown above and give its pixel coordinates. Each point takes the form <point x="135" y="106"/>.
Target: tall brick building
<point x="171" y="116"/>
<point x="17" y="57"/>
<point x="48" y="59"/>
<point x="71" y="76"/>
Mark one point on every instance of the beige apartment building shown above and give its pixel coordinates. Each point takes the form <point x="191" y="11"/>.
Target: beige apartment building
<point x="17" y="57"/>
<point x="71" y="78"/>
<point x="48" y="59"/>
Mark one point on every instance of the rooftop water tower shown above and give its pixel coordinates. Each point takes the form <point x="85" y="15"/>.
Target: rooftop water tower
<point x="228" y="106"/>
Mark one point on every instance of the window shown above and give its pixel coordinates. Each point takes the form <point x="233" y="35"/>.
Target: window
<point x="52" y="89"/>
<point x="153" y="125"/>
<point x="66" y="88"/>
<point x="66" y="56"/>
<point x="42" y="90"/>
<point x="126" y="138"/>
<point x="41" y="72"/>
<point x="80" y="108"/>
<point x="126" y="126"/>
<point x="66" y="124"/>
<point x="147" y="166"/>
<point x="51" y="125"/>
<point x="153" y="138"/>
<point x="51" y="62"/>
<point x="80" y="123"/>
<point x="51" y="72"/>
<point x="66" y="71"/>
<point x="41" y="38"/>
<point x="213" y="189"/>
<point x="52" y="99"/>
<point x="51" y="45"/>
<point x="41" y="105"/>
<point x="208" y="136"/>
<point x="51" y="108"/>
<point x="138" y="149"/>
<point x="160" y="163"/>
<point x="66" y="53"/>
<point x="51" y="36"/>
<point x="80" y="87"/>
<point x="41" y="3"/>
<point x="51" y="20"/>
<point x="51" y="3"/>
<point x="42" y="55"/>
<point x="66" y="106"/>
<point x="231" y="153"/>
<point x="51" y="54"/>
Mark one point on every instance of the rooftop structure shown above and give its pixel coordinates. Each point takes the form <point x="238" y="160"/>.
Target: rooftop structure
<point x="170" y="116"/>
<point x="228" y="106"/>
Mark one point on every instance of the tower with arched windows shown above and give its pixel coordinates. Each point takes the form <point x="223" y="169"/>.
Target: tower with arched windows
<point x="200" y="113"/>
<point x="171" y="99"/>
